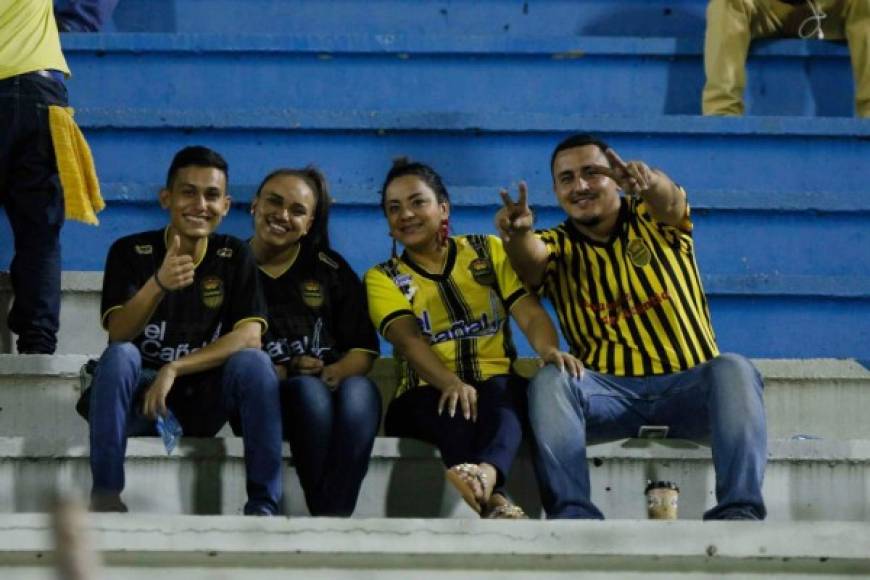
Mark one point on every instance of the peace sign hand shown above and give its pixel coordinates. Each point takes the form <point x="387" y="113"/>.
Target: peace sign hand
<point x="514" y="218"/>
<point x="634" y="177"/>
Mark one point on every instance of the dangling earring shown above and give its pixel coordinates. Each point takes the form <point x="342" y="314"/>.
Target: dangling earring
<point x="443" y="232"/>
<point x="394" y="254"/>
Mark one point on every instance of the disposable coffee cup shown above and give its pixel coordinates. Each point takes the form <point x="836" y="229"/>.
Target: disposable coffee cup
<point x="662" y="498"/>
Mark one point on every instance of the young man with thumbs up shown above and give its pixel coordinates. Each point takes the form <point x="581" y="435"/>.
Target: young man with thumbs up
<point x="184" y="315"/>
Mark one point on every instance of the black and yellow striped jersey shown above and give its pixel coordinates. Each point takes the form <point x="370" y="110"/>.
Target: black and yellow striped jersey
<point x="633" y="305"/>
<point x="463" y="312"/>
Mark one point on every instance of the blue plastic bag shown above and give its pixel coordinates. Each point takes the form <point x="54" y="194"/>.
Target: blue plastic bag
<point x="170" y="431"/>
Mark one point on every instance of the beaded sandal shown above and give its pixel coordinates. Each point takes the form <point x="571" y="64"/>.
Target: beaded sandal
<point x="460" y="477"/>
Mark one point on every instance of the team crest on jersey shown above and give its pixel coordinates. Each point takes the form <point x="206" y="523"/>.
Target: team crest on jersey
<point x="225" y="253"/>
<point x="312" y="293"/>
<point x="638" y="252"/>
<point x="144" y="249"/>
<point x="212" y="290"/>
<point x="482" y="272"/>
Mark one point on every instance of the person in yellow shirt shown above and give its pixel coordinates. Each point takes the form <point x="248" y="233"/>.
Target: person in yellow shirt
<point x="445" y="304"/>
<point x="32" y="71"/>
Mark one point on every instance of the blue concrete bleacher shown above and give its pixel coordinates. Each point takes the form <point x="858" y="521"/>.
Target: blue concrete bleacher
<point x="482" y="90"/>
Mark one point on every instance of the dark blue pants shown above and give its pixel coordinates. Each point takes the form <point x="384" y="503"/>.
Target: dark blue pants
<point x="246" y="387"/>
<point x="493" y="439"/>
<point x="331" y="434"/>
<point x="31" y="193"/>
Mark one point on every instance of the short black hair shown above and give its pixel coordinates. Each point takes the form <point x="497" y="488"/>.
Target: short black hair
<point x="318" y="234"/>
<point x="199" y="156"/>
<point x="403" y="166"/>
<point x="576" y="140"/>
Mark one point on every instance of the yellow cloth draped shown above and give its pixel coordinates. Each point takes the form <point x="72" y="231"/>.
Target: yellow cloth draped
<point x="75" y="165"/>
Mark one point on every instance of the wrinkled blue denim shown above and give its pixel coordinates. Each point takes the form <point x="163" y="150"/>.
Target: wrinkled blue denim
<point x="249" y="389"/>
<point x="720" y="400"/>
<point x="331" y="434"/>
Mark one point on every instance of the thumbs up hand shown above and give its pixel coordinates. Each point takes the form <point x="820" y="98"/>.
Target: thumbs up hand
<point x="177" y="269"/>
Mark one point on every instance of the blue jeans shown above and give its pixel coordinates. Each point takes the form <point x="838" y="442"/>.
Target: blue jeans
<point x="331" y="434"/>
<point x="246" y="386"/>
<point x="721" y="400"/>
<point x="31" y="192"/>
<point x="494" y="438"/>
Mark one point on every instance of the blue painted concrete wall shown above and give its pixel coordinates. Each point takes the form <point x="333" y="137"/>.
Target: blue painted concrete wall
<point x="482" y="90"/>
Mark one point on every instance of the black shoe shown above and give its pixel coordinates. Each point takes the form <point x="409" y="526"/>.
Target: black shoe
<point x="108" y="503"/>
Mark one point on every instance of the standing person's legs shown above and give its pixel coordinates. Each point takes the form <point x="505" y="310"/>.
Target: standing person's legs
<point x="331" y="434"/>
<point x="112" y="417"/>
<point x="723" y="398"/>
<point x="250" y="389"/>
<point x="566" y="412"/>
<point x="34" y="203"/>
<point x="850" y="19"/>
<point x="731" y="26"/>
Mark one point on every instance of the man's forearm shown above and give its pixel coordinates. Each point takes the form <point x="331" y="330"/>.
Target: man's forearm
<point x="665" y="200"/>
<point x="536" y="325"/>
<point x="215" y="354"/>
<point x="528" y="256"/>
<point x="127" y="322"/>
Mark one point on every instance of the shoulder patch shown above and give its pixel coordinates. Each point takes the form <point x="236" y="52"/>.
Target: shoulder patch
<point x="144" y="249"/>
<point x="225" y="253"/>
<point x="327" y="260"/>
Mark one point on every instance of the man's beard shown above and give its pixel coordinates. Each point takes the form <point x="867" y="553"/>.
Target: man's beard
<point x="589" y="222"/>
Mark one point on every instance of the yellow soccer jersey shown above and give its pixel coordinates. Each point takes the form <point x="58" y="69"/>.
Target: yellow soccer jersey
<point x="29" y="40"/>
<point x="463" y="311"/>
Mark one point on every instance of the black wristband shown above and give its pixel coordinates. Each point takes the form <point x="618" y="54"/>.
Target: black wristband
<point x="160" y="285"/>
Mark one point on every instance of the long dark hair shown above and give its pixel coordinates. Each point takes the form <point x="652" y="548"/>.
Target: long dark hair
<point x="318" y="235"/>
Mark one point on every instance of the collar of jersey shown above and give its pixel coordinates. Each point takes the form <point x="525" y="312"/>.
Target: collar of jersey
<point x="285" y="267"/>
<point x="448" y="265"/>
<point x="579" y="236"/>
<point x="198" y="259"/>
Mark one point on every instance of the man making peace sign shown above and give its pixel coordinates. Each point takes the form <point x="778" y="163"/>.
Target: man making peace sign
<point x="621" y="274"/>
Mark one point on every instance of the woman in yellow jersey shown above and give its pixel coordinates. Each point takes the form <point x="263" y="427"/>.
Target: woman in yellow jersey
<point x="444" y="305"/>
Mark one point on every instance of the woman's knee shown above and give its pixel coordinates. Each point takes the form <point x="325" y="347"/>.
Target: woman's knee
<point x="360" y="396"/>
<point x="306" y="393"/>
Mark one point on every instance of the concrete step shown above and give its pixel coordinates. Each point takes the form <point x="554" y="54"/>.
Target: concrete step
<point x="453" y="73"/>
<point x="210" y="548"/>
<point x="506" y="17"/>
<point x="805" y="480"/>
<point x="820" y="398"/>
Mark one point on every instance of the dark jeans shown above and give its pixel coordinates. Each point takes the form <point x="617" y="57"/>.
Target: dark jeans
<point x="331" y="434"/>
<point x="31" y="193"/>
<point x="720" y="400"/>
<point x="246" y="386"/>
<point x="493" y="439"/>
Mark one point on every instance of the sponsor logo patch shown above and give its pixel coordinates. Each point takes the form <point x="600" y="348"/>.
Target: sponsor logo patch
<point x="144" y="250"/>
<point x="225" y="253"/>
